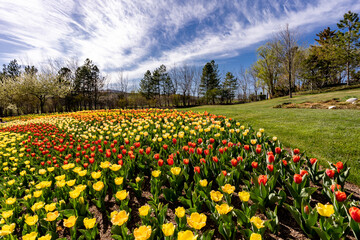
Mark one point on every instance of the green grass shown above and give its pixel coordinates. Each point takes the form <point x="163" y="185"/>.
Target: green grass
<point x="329" y="135"/>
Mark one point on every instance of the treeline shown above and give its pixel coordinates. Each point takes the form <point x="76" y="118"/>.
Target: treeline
<point x="283" y="66"/>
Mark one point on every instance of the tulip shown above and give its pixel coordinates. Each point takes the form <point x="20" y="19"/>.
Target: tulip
<point x="296" y="151"/>
<point x="98" y="186"/>
<point x="223" y="209"/>
<point x="330" y="173"/>
<point x="196" y="220"/>
<point x="257" y="222"/>
<point x="296" y="158"/>
<point x="156" y="173"/>
<point x="277" y="150"/>
<point x="244" y="196"/>
<point x="89" y="223"/>
<point x="203" y="182"/>
<point x="121" y="195"/>
<point x="297" y="178"/>
<point x="186" y="235"/>
<point x="30" y="236"/>
<point x="325" y="210"/>
<point x="340" y="196"/>
<point x="175" y="170"/>
<point x="270" y="167"/>
<point x="216" y="196"/>
<point x="119" y="218"/>
<point x="338" y="187"/>
<point x="52" y="216"/>
<point x="144" y="210"/>
<point x="313" y="160"/>
<point x="234" y="162"/>
<point x="262" y="179"/>
<point x="197" y="169"/>
<point x="180" y="212"/>
<point x="254" y="164"/>
<point x="355" y="214"/>
<point x="303" y="172"/>
<point x="31" y="220"/>
<point x="142" y="233"/>
<point x="168" y="229"/>
<point x="228" y="188"/>
<point x="255" y="236"/>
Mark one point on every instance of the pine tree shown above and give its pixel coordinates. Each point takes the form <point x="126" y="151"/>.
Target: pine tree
<point x="229" y="87"/>
<point x="349" y="35"/>
<point x="210" y="81"/>
<point x="146" y="88"/>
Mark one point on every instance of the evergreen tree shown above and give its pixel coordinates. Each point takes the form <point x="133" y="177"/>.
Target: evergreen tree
<point x="210" y="81"/>
<point x="146" y="89"/>
<point x="12" y="70"/>
<point x="349" y="35"/>
<point x="229" y="87"/>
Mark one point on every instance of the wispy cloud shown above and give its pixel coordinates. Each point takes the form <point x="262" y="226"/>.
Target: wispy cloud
<point x="136" y="35"/>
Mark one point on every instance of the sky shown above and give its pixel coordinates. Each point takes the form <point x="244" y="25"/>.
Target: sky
<point x="133" y="36"/>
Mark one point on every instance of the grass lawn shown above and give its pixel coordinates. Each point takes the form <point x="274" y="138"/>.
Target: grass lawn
<point x="329" y="135"/>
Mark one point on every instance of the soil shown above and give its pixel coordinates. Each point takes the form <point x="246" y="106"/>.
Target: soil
<point x="321" y="105"/>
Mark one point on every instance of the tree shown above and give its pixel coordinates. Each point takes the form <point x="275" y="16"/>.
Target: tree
<point x="210" y="81"/>
<point x="146" y="89"/>
<point x="349" y="34"/>
<point x="12" y="70"/>
<point x="287" y="50"/>
<point x="267" y="66"/>
<point x="254" y="80"/>
<point x="229" y="87"/>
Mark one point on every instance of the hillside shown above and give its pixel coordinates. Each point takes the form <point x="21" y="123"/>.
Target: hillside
<point x="329" y="135"/>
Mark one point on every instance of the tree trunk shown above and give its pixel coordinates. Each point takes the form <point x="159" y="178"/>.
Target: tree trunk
<point x="290" y="92"/>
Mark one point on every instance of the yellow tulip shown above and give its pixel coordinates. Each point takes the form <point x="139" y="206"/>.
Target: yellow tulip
<point x="244" y="196"/>
<point x="253" y="141"/>
<point x="142" y="233"/>
<point x="7" y="229"/>
<point x="7" y="214"/>
<point x="156" y="173"/>
<point x="82" y="173"/>
<point x="31" y="220"/>
<point x="71" y="183"/>
<point x="119" y="180"/>
<point x="325" y="210"/>
<point x="11" y="182"/>
<point x="121" y="195"/>
<point x="46" y="237"/>
<point x="60" y="183"/>
<point x="186" y="235"/>
<point x="223" y="208"/>
<point x="105" y="164"/>
<point x="37" y="193"/>
<point x="203" y="182"/>
<point x="74" y="194"/>
<point x="52" y="216"/>
<point x="70" y="222"/>
<point x="42" y="171"/>
<point x="59" y="178"/>
<point x="257" y="222"/>
<point x="37" y="206"/>
<point x="119" y="218"/>
<point x="180" y="212"/>
<point x="10" y="201"/>
<point x="80" y="187"/>
<point x="196" y="220"/>
<point x="137" y="179"/>
<point x="228" y="188"/>
<point x="98" y="186"/>
<point x="216" y="196"/>
<point x="30" y="236"/>
<point x="144" y="210"/>
<point x="89" y="223"/>
<point x="50" y="207"/>
<point x="255" y="236"/>
<point x="96" y="175"/>
<point x="168" y="229"/>
<point x="175" y="170"/>
<point x="115" y="167"/>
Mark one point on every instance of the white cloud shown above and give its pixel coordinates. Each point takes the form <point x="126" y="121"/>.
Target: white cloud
<point x="137" y="35"/>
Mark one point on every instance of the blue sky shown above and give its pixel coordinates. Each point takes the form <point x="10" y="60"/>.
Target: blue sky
<point x="136" y="35"/>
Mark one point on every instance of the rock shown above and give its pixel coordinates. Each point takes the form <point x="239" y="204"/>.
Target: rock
<point x="332" y="107"/>
<point x="351" y="100"/>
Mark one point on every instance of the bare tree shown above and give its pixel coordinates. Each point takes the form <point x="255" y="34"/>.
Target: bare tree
<point x="254" y="80"/>
<point x="287" y="52"/>
<point x="243" y="81"/>
<point x="196" y="81"/>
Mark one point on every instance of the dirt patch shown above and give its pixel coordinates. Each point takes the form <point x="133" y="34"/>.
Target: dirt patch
<point x="321" y="105"/>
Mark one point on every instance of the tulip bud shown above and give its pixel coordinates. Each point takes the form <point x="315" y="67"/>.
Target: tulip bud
<point x="297" y="178"/>
<point x="306" y="209"/>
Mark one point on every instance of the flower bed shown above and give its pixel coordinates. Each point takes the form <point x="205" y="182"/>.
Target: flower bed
<point x="161" y="174"/>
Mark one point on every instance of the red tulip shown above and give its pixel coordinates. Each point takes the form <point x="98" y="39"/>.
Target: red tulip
<point x="212" y="140"/>
<point x="224" y="173"/>
<point x="157" y="156"/>
<point x="202" y="160"/>
<point x="313" y="160"/>
<point x="239" y="158"/>
<point x="197" y="169"/>
<point x="303" y="172"/>
<point x="277" y="150"/>
<point x="262" y="179"/>
<point x="215" y="159"/>
<point x="186" y="161"/>
<point x="206" y="152"/>
<point x="258" y="150"/>
<point x="246" y="147"/>
<point x="42" y="163"/>
<point x="330" y="173"/>
<point x="254" y="164"/>
<point x="296" y="151"/>
<point x="297" y="178"/>
<point x="271" y="158"/>
<point x="199" y="151"/>
<point x="199" y="141"/>
<point x="91" y="160"/>
<point x="284" y="162"/>
<point x="160" y="162"/>
<point x="234" y="162"/>
<point x="141" y="151"/>
<point x="296" y="158"/>
<point x="121" y="162"/>
<point x="339" y="165"/>
<point x="340" y="196"/>
<point x="270" y="167"/>
<point x="174" y="141"/>
<point x="355" y="214"/>
<point x="165" y="147"/>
